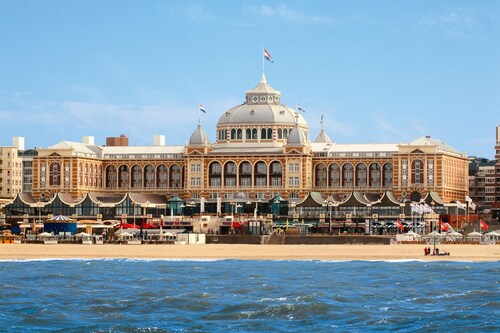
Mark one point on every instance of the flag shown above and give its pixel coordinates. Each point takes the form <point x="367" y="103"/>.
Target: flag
<point x="268" y="56"/>
<point x="444" y="226"/>
<point x="483" y="225"/>
<point x="468" y="199"/>
<point x="400" y="225"/>
<point x="301" y="109"/>
<point x="460" y="205"/>
<point x="202" y="109"/>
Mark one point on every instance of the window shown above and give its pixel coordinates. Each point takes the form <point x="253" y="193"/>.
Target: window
<point x="195" y="181"/>
<point x="246" y="181"/>
<point x="276" y="181"/>
<point x="293" y="181"/>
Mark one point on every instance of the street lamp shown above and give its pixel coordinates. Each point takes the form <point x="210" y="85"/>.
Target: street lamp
<point x="329" y="203"/>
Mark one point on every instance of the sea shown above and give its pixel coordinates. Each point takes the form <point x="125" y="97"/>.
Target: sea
<point x="129" y="295"/>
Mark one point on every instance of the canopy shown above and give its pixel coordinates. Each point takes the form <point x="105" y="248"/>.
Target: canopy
<point x="125" y="234"/>
<point x="149" y="226"/>
<point x="60" y="218"/>
<point x="128" y="226"/>
<point x="82" y="234"/>
<point x="412" y="234"/>
<point x="475" y="234"/>
<point x="45" y="234"/>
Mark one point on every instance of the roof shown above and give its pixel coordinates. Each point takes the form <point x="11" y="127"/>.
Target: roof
<point x="323" y="138"/>
<point x="428" y="141"/>
<point x="142" y="150"/>
<point x="332" y="147"/>
<point x="296" y="136"/>
<point x="263" y="106"/>
<point x="79" y="148"/>
<point x="199" y="137"/>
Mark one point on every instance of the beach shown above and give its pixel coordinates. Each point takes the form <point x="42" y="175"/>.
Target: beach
<point x="458" y="252"/>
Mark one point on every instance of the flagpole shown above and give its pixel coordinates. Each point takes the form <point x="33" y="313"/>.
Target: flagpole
<point x="263" y="60"/>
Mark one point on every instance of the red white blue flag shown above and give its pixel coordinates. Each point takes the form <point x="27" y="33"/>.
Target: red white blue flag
<point x="268" y="56"/>
<point x="202" y="109"/>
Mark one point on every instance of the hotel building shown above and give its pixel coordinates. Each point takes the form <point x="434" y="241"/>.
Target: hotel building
<point x="263" y="149"/>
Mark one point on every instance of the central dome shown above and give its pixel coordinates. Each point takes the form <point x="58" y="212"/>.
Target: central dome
<point x="262" y="109"/>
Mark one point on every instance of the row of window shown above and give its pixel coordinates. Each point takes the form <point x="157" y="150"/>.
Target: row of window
<point x="348" y="175"/>
<point x="252" y="133"/>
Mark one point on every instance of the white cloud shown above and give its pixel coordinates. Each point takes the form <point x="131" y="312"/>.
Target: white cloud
<point x="286" y="13"/>
<point x="454" y="23"/>
<point x="199" y="14"/>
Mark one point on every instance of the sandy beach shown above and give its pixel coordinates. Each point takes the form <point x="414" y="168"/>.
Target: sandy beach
<point x="249" y="252"/>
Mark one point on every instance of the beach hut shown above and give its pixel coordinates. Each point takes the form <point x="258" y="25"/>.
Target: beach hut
<point x="474" y="236"/>
<point x="492" y="236"/>
<point x="454" y="236"/>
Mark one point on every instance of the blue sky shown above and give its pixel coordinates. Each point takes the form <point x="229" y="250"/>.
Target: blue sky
<point x="382" y="71"/>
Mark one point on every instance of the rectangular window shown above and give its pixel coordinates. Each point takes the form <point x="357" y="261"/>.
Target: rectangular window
<point x="246" y="182"/>
<point x="275" y="181"/>
<point x="215" y="182"/>
<point x="231" y="182"/>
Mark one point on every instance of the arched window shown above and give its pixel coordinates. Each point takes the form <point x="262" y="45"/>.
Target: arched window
<point x="149" y="176"/>
<point x="245" y="174"/>
<point x="361" y="175"/>
<point x="276" y="174"/>
<point x="263" y="134"/>
<point x="214" y="174"/>
<point x="55" y="174"/>
<point x="239" y="134"/>
<point x="254" y="134"/>
<point x="175" y="176"/>
<point x="374" y="175"/>
<point x="388" y="175"/>
<point x="285" y="133"/>
<point x="111" y="176"/>
<point x="417" y="172"/>
<point x="230" y="174"/>
<point x="162" y="176"/>
<point x="233" y="134"/>
<point x="85" y="174"/>
<point x="280" y="133"/>
<point x="269" y="133"/>
<point x="334" y="175"/>
<point x="347" y="175"/>
<point x="136" y="176"/>
<point x="123" y="176"/>
<point x="248" y="134"/>
<point x="260" y="174"/>
<point x="321" y="175"/>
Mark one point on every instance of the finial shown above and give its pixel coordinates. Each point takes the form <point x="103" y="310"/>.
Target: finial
<point x="322" y="120"/>
<point x="263" y="79"/>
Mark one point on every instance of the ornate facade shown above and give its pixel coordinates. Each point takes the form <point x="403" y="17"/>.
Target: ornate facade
<point x="263" y="149"/>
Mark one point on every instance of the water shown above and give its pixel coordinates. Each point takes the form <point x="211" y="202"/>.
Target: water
<point x="248" y="296"/>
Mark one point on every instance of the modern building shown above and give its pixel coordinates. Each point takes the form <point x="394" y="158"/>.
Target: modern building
<point x="484" y="182"/>
<point x="11" y="169"/>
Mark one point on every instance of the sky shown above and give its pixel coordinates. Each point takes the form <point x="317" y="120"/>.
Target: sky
<point x="381" y="71"/>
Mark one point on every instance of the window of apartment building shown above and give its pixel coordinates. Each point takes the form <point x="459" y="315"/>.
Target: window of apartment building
<point x="230" y="182"/>
<point x="293" y="181"/>
<point x="195" y="167"/>
<point x="294" y="167"/>
<point x="214" y="182"/>
<point x="195" y="181"/>
<point x="245" y="182"/>
<point x="276" y="181"/>
<point x="261" y="196"/>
